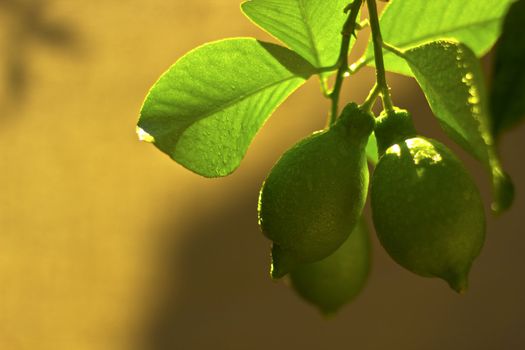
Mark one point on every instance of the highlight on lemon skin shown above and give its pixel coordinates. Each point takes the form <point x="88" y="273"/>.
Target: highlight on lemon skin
<point x="393" y="127"/>
<point x="314" y="195"/>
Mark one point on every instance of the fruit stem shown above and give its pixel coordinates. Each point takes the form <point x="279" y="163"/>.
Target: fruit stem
<point x="371" y="99"/>
<point x="378" y="54"/>
<point x="348" y="30"/>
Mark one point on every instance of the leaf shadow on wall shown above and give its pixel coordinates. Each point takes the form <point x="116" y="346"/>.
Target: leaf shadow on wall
<point x="29" y="27"/>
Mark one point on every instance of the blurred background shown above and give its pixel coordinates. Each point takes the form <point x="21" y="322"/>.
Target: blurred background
<point x="107" y="244"/>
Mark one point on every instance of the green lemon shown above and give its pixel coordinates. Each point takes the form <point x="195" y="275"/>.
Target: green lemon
<point x="314" y="195"/>
<point x="336" y="280"/>
<point x="427" y="211"/>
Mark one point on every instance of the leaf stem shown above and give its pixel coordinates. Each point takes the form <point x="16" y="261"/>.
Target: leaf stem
<point x="348" y="30"/>
<point x="394" y="49"/>
<point x="378" y="54"/>
<point x="357" y="65"/>
<point x="363" y="24"/>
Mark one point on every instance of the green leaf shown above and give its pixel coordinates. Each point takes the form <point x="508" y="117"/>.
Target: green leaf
<point x="508" y="83"/>
<point x="408" y="23"/>
<point x="451" y="77"/>
<point x="312" y="28"/>
<point x="206" y="109"/>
